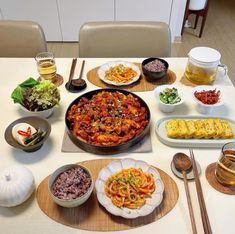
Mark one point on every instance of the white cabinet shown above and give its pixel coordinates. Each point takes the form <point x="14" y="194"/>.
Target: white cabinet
<point x="43" y="12"/>
<point x="74" y="13"/>
<point x="62" y="19"/>
<point x="150" y="10"/>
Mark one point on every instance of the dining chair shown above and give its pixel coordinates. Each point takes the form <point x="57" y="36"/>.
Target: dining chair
<point x="21" y="38"/>
<point x="124" y="39"/>
<point x="198" y="8"/>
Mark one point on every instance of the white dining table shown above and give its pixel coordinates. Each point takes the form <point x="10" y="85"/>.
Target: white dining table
<point x="28" y="217"/>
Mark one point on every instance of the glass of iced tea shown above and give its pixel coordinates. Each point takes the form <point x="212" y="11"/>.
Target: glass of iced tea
<point x="225" y="167"/>
<point x="46" y="65"/>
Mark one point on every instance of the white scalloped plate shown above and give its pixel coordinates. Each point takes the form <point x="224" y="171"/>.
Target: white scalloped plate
<point x="151" y="202"/>
<point x="101" y="72"/>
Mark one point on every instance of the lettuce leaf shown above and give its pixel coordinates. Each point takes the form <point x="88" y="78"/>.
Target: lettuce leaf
<point x="29" y="83"/>
<point x="18" y="93"/>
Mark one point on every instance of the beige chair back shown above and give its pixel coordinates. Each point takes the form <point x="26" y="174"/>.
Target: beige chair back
<point x="21" y="38"/>
<point x="124" y="39"/>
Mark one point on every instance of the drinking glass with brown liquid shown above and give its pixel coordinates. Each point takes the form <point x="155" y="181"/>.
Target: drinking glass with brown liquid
<point x="46" y="65"/>
<point x="225" y="167"/>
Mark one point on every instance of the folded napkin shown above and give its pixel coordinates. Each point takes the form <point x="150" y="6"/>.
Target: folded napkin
<point x="144" y="146"/>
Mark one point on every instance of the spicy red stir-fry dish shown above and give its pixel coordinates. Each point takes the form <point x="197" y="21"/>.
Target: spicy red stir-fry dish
<point x="209" y="97"/>
<point x="108" y="118"/>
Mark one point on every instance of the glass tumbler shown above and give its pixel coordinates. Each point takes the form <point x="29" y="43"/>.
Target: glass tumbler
<point x="225" y="167"/>
<point x="46" y="65"/>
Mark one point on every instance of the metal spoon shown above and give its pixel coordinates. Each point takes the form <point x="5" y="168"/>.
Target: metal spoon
<point x="183" y="163"/>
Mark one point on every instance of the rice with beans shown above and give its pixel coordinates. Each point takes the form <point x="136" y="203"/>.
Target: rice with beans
<point x="71" y="184"/>
<point x="155" y="66"/>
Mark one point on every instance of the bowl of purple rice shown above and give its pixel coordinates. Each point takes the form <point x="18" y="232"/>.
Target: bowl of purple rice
<point x="154" y="68"/>
<point x="70" y="185"/>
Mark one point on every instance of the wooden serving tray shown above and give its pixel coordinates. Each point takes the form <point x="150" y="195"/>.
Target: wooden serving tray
<point x="141" y="85"/>
<point x="92" y="216"/>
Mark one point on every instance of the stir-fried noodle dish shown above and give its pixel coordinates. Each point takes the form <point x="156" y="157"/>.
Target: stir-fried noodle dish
<point x="108" y="118"/>
<point x="129" y="188"/>
<point x="120" y="74"/>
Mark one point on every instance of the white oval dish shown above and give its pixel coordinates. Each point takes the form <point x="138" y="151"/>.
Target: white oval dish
<point x="160" y="130"/>
<point x="151" y="202"/>
<point x="101" y="72"/>
<point x="206" y="108"/>
<point x="167" y="108"/>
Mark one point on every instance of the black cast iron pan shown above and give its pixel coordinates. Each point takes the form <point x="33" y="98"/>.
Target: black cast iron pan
<point x="107" y="150"/>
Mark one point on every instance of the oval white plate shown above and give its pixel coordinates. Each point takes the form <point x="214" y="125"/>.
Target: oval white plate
<point x="151" y="202"/>
<point x="101" y="72"/>
<point x="196" y="143"/>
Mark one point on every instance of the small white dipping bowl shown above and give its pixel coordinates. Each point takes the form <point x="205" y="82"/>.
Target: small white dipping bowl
<point x="72" y="202"/>
<point x="206" y="108"/>
<point x="167" y="107"/>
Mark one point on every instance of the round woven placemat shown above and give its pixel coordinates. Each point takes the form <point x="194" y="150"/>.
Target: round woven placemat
<point x="56" y="80"/>
<point x="92" y="216"/>
<point x="141" y="85"/>
<point x="210" y="176"/>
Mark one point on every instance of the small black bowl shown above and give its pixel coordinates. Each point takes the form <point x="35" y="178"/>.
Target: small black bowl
<point x="36" y="122"/>
<point x="151" y="75"/>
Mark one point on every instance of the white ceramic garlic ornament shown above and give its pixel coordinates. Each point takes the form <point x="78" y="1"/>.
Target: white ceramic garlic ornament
<point x="16" y="185"/>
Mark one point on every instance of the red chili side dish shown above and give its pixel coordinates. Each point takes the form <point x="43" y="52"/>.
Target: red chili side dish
<point x="208" y="97"/>
<point x="108" y="118"/>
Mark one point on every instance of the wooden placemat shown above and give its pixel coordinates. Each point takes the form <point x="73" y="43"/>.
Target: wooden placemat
<point x="92" y="216"/>
<point x="187" y="82"/>
<point x="141" y="85"/>
<point x="210" y="176"/>
<point x="57" y="80"/>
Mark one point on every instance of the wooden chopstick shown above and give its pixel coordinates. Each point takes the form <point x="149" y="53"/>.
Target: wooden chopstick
<point x="82" y="68"/>
<point x="74" y="62"/>
<point x="193" y="223"/>
<point x="203" y="210"/>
